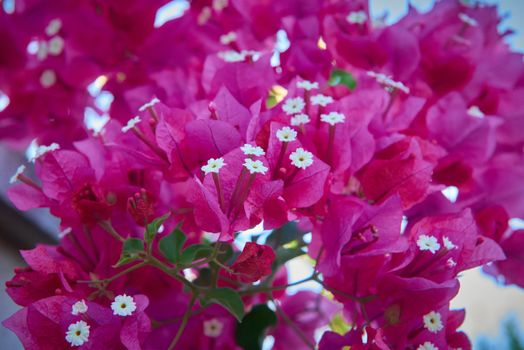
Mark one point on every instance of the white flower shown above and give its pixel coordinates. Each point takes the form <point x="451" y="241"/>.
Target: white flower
<point x="255" y="166"/>
<point x="250" y="150"/>
<point x="77" y="333"/>
<point x="333" y="118"/>
<point x="301" y="158"/>
<point x="467" y="19"/>
<point x="388" y="82"/>
<point x="80" y="307"/>
<point x="56" y="45"/>
<point x="451" y="263"/>
<point x="448" y="244"/>
<point x="123" y="305"/>
<point x="299" y="119"/>
<point x="307" y="85"/>
<point x="231" y="56"/>
<point x="41" y="52"/>
<point x="226" y="39"/>
<point x="219" y="5"/>
<point x="286" y="134"/>
<point x="48" y="78"/>
<point x="53" y="27"/>
<point x="213" y="165"/>
<point x="427" y="346"/>
<point x="213" y="328"/>
<point x="41" y="150"/>
<point x="474" y="111"/>
<point x="294" y="105"/>
<point x="204" y="16"/>
<point x="357" y="17"/>
<point x="433" y="322"/>
<point x="321" y="100"/>
<point x="131" y="123"/>
<point x="428" y="243"/>
<point x="149" y="104"/>
<point x="18" y="172"/>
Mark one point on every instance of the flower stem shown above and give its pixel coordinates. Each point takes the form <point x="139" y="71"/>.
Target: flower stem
<point x="106" y="225"/>
<point x="220" y="194"/>
<point x="183" y="325"/>
<point x="283" y="149"/>
<point x="331" y="141"/>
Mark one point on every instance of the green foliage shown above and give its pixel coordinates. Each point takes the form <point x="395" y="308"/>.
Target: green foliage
<point x="341" y="77"/>
<point x="131" y="251"/>
<point x="171" y="245"/>
<point x="153" y="226"/>
<point x="228" y="298"/>
<point x="250" y="332"/>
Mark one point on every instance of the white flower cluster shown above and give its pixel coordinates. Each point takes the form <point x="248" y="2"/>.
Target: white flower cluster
<point x="388" y="82"/>
<point x="213" y="165"/>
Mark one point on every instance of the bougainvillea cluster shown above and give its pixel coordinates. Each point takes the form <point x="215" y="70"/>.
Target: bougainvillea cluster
<point x="341" y="146"/>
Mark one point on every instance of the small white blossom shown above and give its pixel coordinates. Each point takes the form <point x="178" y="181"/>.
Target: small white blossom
<point x="427" y="346"/>
<point x="56" y="45"/>
<point x="189" y="274"/>
<point x="255" y="166"/>
<point x="294" y="105"/>
<point x="80" y="307"/>
<point x="213" y="328"/>
<point x="219" y="5"/>
<point x="474" y="111"/>
<point x="357" y="17"/>
<point x="231" y="56"/>
<point x="131" y="123"/>
<point x="333" y="118"/>
<point x="451" y="263"/>
<point x="228" y="38"/>
<point x="123" y="305"/>
<point x="301" y="158"/>
<point x="321" y="100"/>
<point x="448" y="244"/>
<point x="213" y="165"/>
<point x="42" y="51"/>
<point x="204" y="16"/>
<point x="18" y="172"/>
<point x="48" y="78"/>
<point x="149" y="104"/>
<point x="286" y="134"/>
<point x="467" y="19"/>
<point x="77" y="333"/>
<point x="250" y="150"/>
<point x="428" y="243"/>
<point x="433" y="322"/>
<point x="300" y="119"/>
<point x="307" y="85"/>
<point x="41" y="150"/>
<point x="53" y="27"/>
<point x="388" y="82"/>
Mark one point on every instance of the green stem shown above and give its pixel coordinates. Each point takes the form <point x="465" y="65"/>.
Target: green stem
<point x="293" y="326"/>
<point x="183" y="325"/>
<point x="106" y="225"/>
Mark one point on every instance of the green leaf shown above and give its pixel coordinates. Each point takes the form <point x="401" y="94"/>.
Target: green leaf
<point x="225" y="253"/>
<point x="172" y="244"/>
<point x="131" y="250"/>
<point x="284" y="234"/>
<point x="204" y="277"/>
<point x="250" y="332"/>
<point x="341" y="77"/>
<point x="194" y="252"/>
<point x="153" y="226"/>
<point x="228" y="298"/>
<point x="284" y="255"/>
